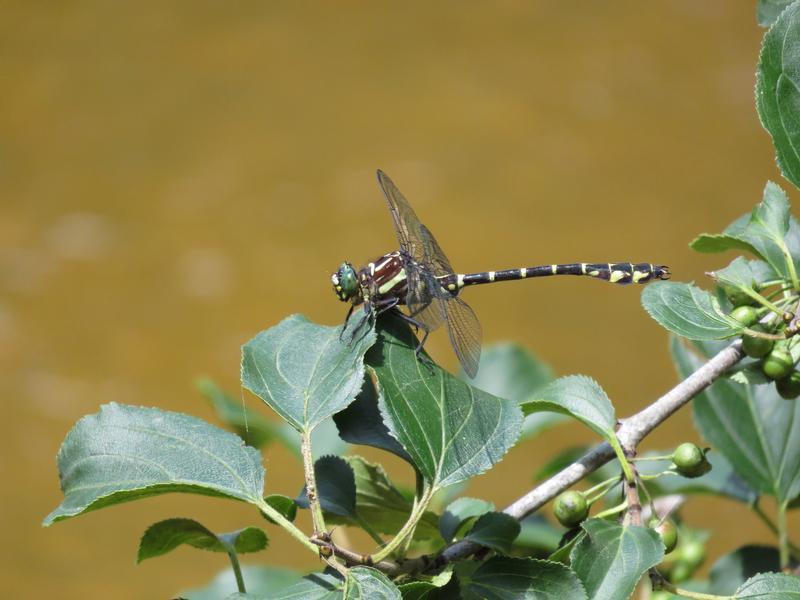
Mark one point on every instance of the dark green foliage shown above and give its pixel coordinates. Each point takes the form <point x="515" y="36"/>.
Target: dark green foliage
<point x="777" y="88"/>
<point x="610" y="559"/>
<point x="424" y="407"/>
<point x="336" y="487"/>
<point x="303" y="371"/>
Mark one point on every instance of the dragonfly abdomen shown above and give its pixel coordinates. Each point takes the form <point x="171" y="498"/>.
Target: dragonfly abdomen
<point x="621" y="273"/>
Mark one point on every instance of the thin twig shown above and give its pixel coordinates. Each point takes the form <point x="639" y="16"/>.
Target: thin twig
<point x="317" y="519"/>
<point x="351" y="558"/>
<point x="630" y="433"/>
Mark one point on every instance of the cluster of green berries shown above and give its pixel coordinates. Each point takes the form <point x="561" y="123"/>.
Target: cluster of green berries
<point x="572" y="507"/>
<point x="777" y="362"/>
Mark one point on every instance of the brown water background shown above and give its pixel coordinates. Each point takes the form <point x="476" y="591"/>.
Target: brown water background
<point x="176" y="177"/>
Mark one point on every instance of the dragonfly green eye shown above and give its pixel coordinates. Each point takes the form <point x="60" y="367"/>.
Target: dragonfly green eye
<point x="345" y="282"/>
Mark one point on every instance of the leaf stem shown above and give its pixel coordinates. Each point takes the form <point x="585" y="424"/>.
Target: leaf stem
<point x="761" y="300"/>
<point x="790" y="266"/>
<point x="407" y="529"/>
<point x="290" y="527"/>
<point x="237" y="570"/>
<point x="317" y="519"/>
<point x="762" y="334"/>
<point x="623" y="460"/>
<point x="783" y="536"/>
<point x="603" y="484"/>
<point x="652" y="458"/>
<point x="614" y="510"/>
<point x="651" y="476"/>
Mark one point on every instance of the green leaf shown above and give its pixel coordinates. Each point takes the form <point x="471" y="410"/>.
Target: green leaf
<point x="611" y="558"/>
<point x="124" y="453"/>
<point x="580" y="397"/>
<point x="743" y="273"/>
<point x="512" y="372"/>
<point x="766" y="231"/>
<point x="379" y="504"/>
<point x="755" y="429"/>
<point x="283" y="504"/>
<point x="736" y="567"/>
<point x="362" y="423"/>
<point x="777" y="85"/>
<point x="443" y="586"/>
<point x="251" y="426"/>
<point x="688" y="311"/>
<point x="775" y="586"/>
<point x="336" y="487"/>
<point x="495" y="530"/>
<point x="769" y="232"/>
<point x="727" y="240"/>
<point x="769" y="10"/>
<point x="164" y="536"/>
<point x="459" y="512"/>
<point x="501" y="578"/>
<point x="452" y="431"/>
<point x="260" y="580"/>
<point x="303" y="371"/>
<point x="362" y="583"/>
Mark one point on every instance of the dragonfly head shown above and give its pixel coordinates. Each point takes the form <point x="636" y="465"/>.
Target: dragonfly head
<point x="345" y="282"/>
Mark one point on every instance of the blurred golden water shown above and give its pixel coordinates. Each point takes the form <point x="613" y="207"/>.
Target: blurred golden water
<point x="178" y="176"/>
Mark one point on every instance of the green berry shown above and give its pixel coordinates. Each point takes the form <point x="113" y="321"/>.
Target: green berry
<point x="746" y="315"/>
<point x="571" y="508"/>
<point x="688" y="456"/>
<point x="778" y="364"/>
<point x="737" y="296"/>
<point x="690" y="461"/>
<point x="680" y="572"/>
<point x="668" y="532"/>
<point x="756" y="347"/>
<point x="692" y="553"/>
<point x="789" y="387"/>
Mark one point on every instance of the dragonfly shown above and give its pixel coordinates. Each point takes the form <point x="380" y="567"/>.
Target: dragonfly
<point x="420" y="278"/>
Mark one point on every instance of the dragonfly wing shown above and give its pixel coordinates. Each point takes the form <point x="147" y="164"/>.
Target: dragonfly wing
<point x="431" y="316"/>
<point x="435" y="258"/>
<point x="406" y="222"/>
<point x="465" y="333"/>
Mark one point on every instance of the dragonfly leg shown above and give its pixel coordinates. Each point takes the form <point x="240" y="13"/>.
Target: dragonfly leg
<point x="346" y="319"/>
<point x="366" y="320"/>
<point x="417" y="325"/>
<point x="385" y="305"/>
